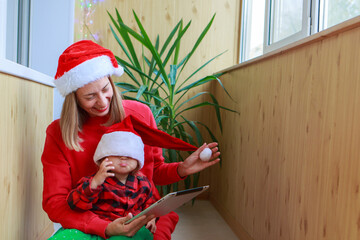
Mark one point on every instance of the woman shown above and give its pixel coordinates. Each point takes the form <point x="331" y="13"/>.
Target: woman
<point x="91" y="105"/>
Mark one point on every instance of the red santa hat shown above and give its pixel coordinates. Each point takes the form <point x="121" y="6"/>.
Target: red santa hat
<point x="127" y="138"/>
<point x="84" y="62"/>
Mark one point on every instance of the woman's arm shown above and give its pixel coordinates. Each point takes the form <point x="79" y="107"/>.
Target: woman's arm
<point x="57" y="185"/>
<point x="168" y="173"/>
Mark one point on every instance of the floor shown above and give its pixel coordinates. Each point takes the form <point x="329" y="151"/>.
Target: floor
<point x="201" y="221"/>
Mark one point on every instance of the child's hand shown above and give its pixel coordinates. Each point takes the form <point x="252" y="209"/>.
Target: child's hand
<point x="102" y="173"/>
<point x="151" y="225"/>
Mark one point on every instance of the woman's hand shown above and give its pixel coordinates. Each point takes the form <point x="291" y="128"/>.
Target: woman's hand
<point x="119" y="228"/>
<point x="104" y="171"/>
<point x="193" y="163"/>
<point x="151" y="225"/>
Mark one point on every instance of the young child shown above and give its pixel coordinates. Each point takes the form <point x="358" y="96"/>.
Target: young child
<point x="118" y="188"/>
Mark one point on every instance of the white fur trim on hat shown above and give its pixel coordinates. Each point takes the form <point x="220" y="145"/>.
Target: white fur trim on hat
<point x="85" y="73"/>
<point x="120" y="143"/>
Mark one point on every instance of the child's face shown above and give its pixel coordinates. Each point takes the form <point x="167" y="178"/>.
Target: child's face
<point x="123" y="165"/>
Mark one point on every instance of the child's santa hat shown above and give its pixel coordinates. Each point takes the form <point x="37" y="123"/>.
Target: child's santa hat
<point x="82" y="63"/>
<point x="127" y="138"/>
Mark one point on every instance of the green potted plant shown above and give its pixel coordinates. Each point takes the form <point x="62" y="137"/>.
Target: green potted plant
<point x="164" y="92"/>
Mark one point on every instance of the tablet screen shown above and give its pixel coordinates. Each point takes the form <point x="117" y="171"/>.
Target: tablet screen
<point x="170" y="202"/>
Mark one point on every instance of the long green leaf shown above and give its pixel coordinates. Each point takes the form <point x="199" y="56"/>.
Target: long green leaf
<point x="141" y="91"/>
<point x="158" y="119"/>
<point x="197" y="83"/>
<point x="175" y="44"/>
<point x="196" y="180"/>
<point x="158" y="111"/>
<point x="151" y="63"/>
<point x="125" y="36"/>
<point x="132" y="98"/>
<point x="212" y="136"/>
<point x="172" y="155"/>
<point x="187" y="182"/>
<point x="152" y="66"/>
<point x="126" y="86"/>
<point x="217" y="111"/>
<point x="129" y="73"/>
<point x="172" y="75"/>
<point x="170" y="37"/>
<point x="121" y="44"/>
<point x="133" y="33"/>
<point x="201" y="37"/>
<point x="175" y="186"/>
<point x="147" y="43"/>
<point x="138" y="70"/>
<point x="190" y="99"/>
<point x="177" y="49"/>
<point x="197" y="70"/>
<point x="196" y="130"/>
<point x="163" y="80"/>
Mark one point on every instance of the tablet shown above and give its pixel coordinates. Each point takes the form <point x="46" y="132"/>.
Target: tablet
<point x="170" y="202"/>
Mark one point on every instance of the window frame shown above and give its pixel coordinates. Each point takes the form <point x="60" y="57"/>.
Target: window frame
<point x="244" y="21"/>
<point x="3" y="16"/>
<point x="269" y="25"/>
<point x="11" y="67"/>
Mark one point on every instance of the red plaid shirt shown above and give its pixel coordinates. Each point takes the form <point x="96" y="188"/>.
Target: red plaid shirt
<point x="112" y="199"/>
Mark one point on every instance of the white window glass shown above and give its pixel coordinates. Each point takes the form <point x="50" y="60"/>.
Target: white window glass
<point x="11" y="30"/>
<point x="17" y="31"/>
<point x="252" y="41"/>
<point x="286" y="16"/>
<point x="333" y="12"/>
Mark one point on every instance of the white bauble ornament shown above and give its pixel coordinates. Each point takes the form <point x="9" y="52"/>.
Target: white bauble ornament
<point x="205" y="155"/>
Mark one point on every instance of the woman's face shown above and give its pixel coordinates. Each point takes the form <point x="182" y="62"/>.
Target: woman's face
<point x="95" y="97"/>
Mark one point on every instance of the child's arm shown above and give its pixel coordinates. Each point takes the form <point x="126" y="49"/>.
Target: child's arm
<point x="87" y="191"/>
<point x="151" y="225"/>
<point x="102" y="174"/>
<point x="82" y="197"/>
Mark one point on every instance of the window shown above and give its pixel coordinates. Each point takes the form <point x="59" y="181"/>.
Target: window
<point x="269" y="25"/>
<point x="18" y="31"/>
<point x="252" y="31"/>
<point x="333" y="12"/>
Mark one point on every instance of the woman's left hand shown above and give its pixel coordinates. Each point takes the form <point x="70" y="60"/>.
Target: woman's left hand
<point x="194" y="164"/>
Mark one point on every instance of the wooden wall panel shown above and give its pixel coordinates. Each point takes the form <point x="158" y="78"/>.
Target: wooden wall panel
<point x="26" y="112"/>
<point x="160" y="16"/>
<point x="291" y="158"/>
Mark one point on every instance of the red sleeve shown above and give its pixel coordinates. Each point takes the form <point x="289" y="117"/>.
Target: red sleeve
<point x="83" y="197"/>
<point x="57" y="185"/>
<point x="164" y="173"/>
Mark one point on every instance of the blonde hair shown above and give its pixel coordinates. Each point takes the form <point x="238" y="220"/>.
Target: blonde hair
<point x="73" y="117"/>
